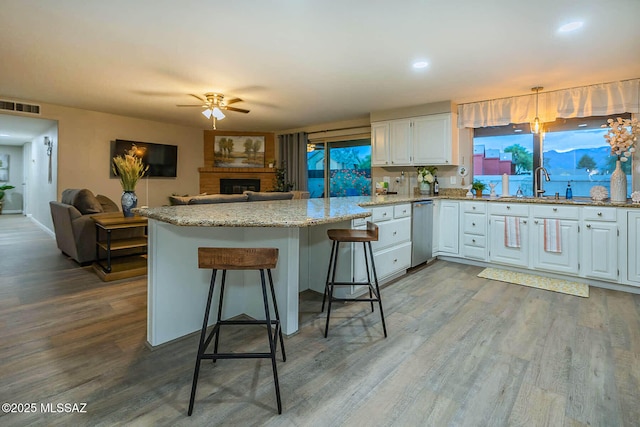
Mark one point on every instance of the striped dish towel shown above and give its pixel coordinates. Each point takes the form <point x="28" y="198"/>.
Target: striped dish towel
<point x="512" y="232"/>
<point x="552" y="236"/>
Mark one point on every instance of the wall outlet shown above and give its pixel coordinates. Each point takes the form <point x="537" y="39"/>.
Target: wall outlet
<point x="453" y="180"/>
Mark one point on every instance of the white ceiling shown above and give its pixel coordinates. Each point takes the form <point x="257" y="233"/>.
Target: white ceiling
<point x="303" y="62"/>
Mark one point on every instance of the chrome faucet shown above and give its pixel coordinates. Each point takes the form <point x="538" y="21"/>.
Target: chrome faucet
<point x="536" y="181"/>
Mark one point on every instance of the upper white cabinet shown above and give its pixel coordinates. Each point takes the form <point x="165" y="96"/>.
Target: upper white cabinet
<point x="433" y="140"/>
<point x="380" y="144"/>
<point x="426" y="140"/>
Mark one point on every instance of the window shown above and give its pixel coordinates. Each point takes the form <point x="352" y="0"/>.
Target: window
<point x="343" y="166"/>
<point x="571" y="150"/>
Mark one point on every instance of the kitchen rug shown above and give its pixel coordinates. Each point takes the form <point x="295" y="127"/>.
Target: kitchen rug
<point x="533" y="281"/>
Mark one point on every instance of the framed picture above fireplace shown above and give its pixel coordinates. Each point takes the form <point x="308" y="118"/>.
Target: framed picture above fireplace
<point x="238" y="151"/>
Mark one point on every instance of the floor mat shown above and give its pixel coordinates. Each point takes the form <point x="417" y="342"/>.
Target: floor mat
<point x="531" y="280"/>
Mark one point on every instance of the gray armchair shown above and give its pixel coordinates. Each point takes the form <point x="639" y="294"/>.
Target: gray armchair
<point x="74" y="228"/>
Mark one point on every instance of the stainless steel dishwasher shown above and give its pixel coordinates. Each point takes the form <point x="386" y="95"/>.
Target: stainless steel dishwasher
<point x="421" y="232"/>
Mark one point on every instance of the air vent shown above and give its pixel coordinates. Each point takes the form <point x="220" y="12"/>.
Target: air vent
<point x="18" y="106"/>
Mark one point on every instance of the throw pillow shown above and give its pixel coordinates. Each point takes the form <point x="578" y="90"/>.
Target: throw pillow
<point x="256" y="196"/>
<point x="86" y="202"/>
<point x="217" y="198"/>
<point x="107" y="204"/>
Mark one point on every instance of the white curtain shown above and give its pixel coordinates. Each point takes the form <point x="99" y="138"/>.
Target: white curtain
<point x="293" y="155"/>
<point x="594" y="100"/>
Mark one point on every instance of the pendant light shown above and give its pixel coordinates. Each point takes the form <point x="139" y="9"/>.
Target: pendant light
<point x="536" y="126"/>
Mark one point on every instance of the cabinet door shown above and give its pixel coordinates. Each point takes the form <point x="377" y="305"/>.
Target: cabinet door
<point x="600" y="250"/>
<point x="400" y="142"/>
<point x="565" y="261"/>
<point x="449" y="228"/>
<point x="380" y="144"/>
<point x="633" y="248"/>
<point x="432" y="144"/>
<point x="499" y="252"/>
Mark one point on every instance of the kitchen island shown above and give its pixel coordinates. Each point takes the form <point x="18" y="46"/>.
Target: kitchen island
<point x="177" y="288"/>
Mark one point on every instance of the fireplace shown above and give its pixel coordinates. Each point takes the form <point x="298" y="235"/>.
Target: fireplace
<point x="238" y="186"/>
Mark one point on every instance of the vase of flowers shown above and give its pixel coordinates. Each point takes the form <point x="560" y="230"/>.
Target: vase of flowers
<point x="621" y="136"/>
<point x="129" y="168"/>
<point x="425" y="178"/>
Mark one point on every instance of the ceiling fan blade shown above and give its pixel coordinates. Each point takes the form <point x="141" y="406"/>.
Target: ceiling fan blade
<point x="191" y="105"/>
<point x="238" y="110"/>
<point x="198" y="98"/>
<point x="233" y="101"/>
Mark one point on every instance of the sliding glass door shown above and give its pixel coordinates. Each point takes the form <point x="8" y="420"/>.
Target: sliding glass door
<point x="344" y="167"/>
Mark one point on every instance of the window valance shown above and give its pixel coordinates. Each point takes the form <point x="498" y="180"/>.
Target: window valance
<point x="593" y="100"/>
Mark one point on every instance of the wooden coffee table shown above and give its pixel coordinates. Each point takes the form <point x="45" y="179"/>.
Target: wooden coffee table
<point x="111" y="266"/>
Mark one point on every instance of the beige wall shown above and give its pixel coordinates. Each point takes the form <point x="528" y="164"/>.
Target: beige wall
<point x="83" y="154"/>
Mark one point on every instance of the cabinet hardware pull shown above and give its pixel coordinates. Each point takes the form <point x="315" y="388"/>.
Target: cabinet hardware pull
<point x="395" y="232"/>
<point x="474" y="208"/>
<point x="395" y="260"/>
<point x="599" y="213"/>
<point x="473" y="240"/>
<point x="508" y="207"/>
<point x="524" y="221"/>
<point x="588" y="225"/>
<point x="555" y="209"/>
<point x="473" y="223"/>
<point x="535" y="222"/>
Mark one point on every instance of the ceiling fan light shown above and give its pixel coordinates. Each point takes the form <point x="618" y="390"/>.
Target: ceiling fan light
<point x="217" y="113"/>
<point x="207" y="113"/>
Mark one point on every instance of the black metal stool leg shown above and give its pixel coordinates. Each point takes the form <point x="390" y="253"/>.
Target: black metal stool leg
<point x="366" y="264"/>
<point x="272" y="344"/>
<point x="326" y="285"/>
<point x="375" y="277"/>
<point x="201" y="348"/>
<point x="330" y="285"/>
<point x="215" y="343"/>
<point x="275" y="309"/>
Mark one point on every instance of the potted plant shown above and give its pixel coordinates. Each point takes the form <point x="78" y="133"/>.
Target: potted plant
<point x="129" y="169"/>
<point x="2" y="189"/>
<point x="478" y="187"/>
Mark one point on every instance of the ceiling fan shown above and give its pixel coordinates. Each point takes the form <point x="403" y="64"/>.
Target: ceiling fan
<point x="214" y="103"/>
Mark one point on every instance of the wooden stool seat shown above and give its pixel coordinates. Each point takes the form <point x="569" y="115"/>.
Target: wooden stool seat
<point x="261" y="259"/>
<point x="353" y="236"/>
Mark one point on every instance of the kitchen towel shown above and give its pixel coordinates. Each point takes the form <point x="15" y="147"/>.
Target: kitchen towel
<point x="512" y="231"/>
<point x="505" y="185"/>
<point x="552" y="236"/>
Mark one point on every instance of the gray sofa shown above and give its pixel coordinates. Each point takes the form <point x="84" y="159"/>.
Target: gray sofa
<point x="247" y="196"/>
<point x="75" y="229"/>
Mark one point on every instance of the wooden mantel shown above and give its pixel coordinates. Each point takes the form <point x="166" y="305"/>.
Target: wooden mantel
<point x="210" y="176"/>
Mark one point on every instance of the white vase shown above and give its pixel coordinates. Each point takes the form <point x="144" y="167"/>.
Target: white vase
<point x="618" y="185"/>
<point x="425" y="188"/>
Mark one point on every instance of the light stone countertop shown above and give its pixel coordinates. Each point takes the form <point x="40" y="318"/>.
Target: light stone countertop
<point x="309" y="212"/>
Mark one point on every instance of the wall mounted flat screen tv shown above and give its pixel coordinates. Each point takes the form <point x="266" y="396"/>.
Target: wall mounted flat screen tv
<point x="161" y="158"/>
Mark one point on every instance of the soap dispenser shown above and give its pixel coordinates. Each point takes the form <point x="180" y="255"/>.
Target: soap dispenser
<point x="569" y="194"/>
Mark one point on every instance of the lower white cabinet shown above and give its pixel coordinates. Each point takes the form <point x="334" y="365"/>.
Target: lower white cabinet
<point x="516" y="253"/>
<point x="633" y="248"/>
<point x="474" y="230"/>
<point x="448" y="232"/>
<point x="392" y="251"/>
<point x="599" y="243"/>
<point x="565" y="260"/>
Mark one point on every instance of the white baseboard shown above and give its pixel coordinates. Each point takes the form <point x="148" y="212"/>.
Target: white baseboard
<point x="42" y="226"/>
<point x="11" y="211"/>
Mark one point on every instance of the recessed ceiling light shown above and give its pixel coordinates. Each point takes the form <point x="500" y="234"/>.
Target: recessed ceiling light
<point x="571" y="26"/>
<point x="4" y="134"/>
<point x="420" y="64"/>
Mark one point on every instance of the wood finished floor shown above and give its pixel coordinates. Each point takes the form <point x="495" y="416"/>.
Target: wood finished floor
<point x="461" y="351"/>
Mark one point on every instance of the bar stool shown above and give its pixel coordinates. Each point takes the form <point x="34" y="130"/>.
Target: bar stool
<point x="239" y="259"/>
<point x="353" y="236"/>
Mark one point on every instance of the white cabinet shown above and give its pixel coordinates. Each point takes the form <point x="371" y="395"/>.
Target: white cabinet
<point x="633" y="247"/>
<point x="515" y="250"/>
<point x="435" y="140"/>
<point x="380" y="144"/>
<point x="599" y="237"/>
<point x="392" y="251"/>
<point x="426" y="140"/>
<point x="448" y="233"/>
<point x="474" y="230"/>
<point x="557" y="252"/>
<point x="400" y="142"/>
